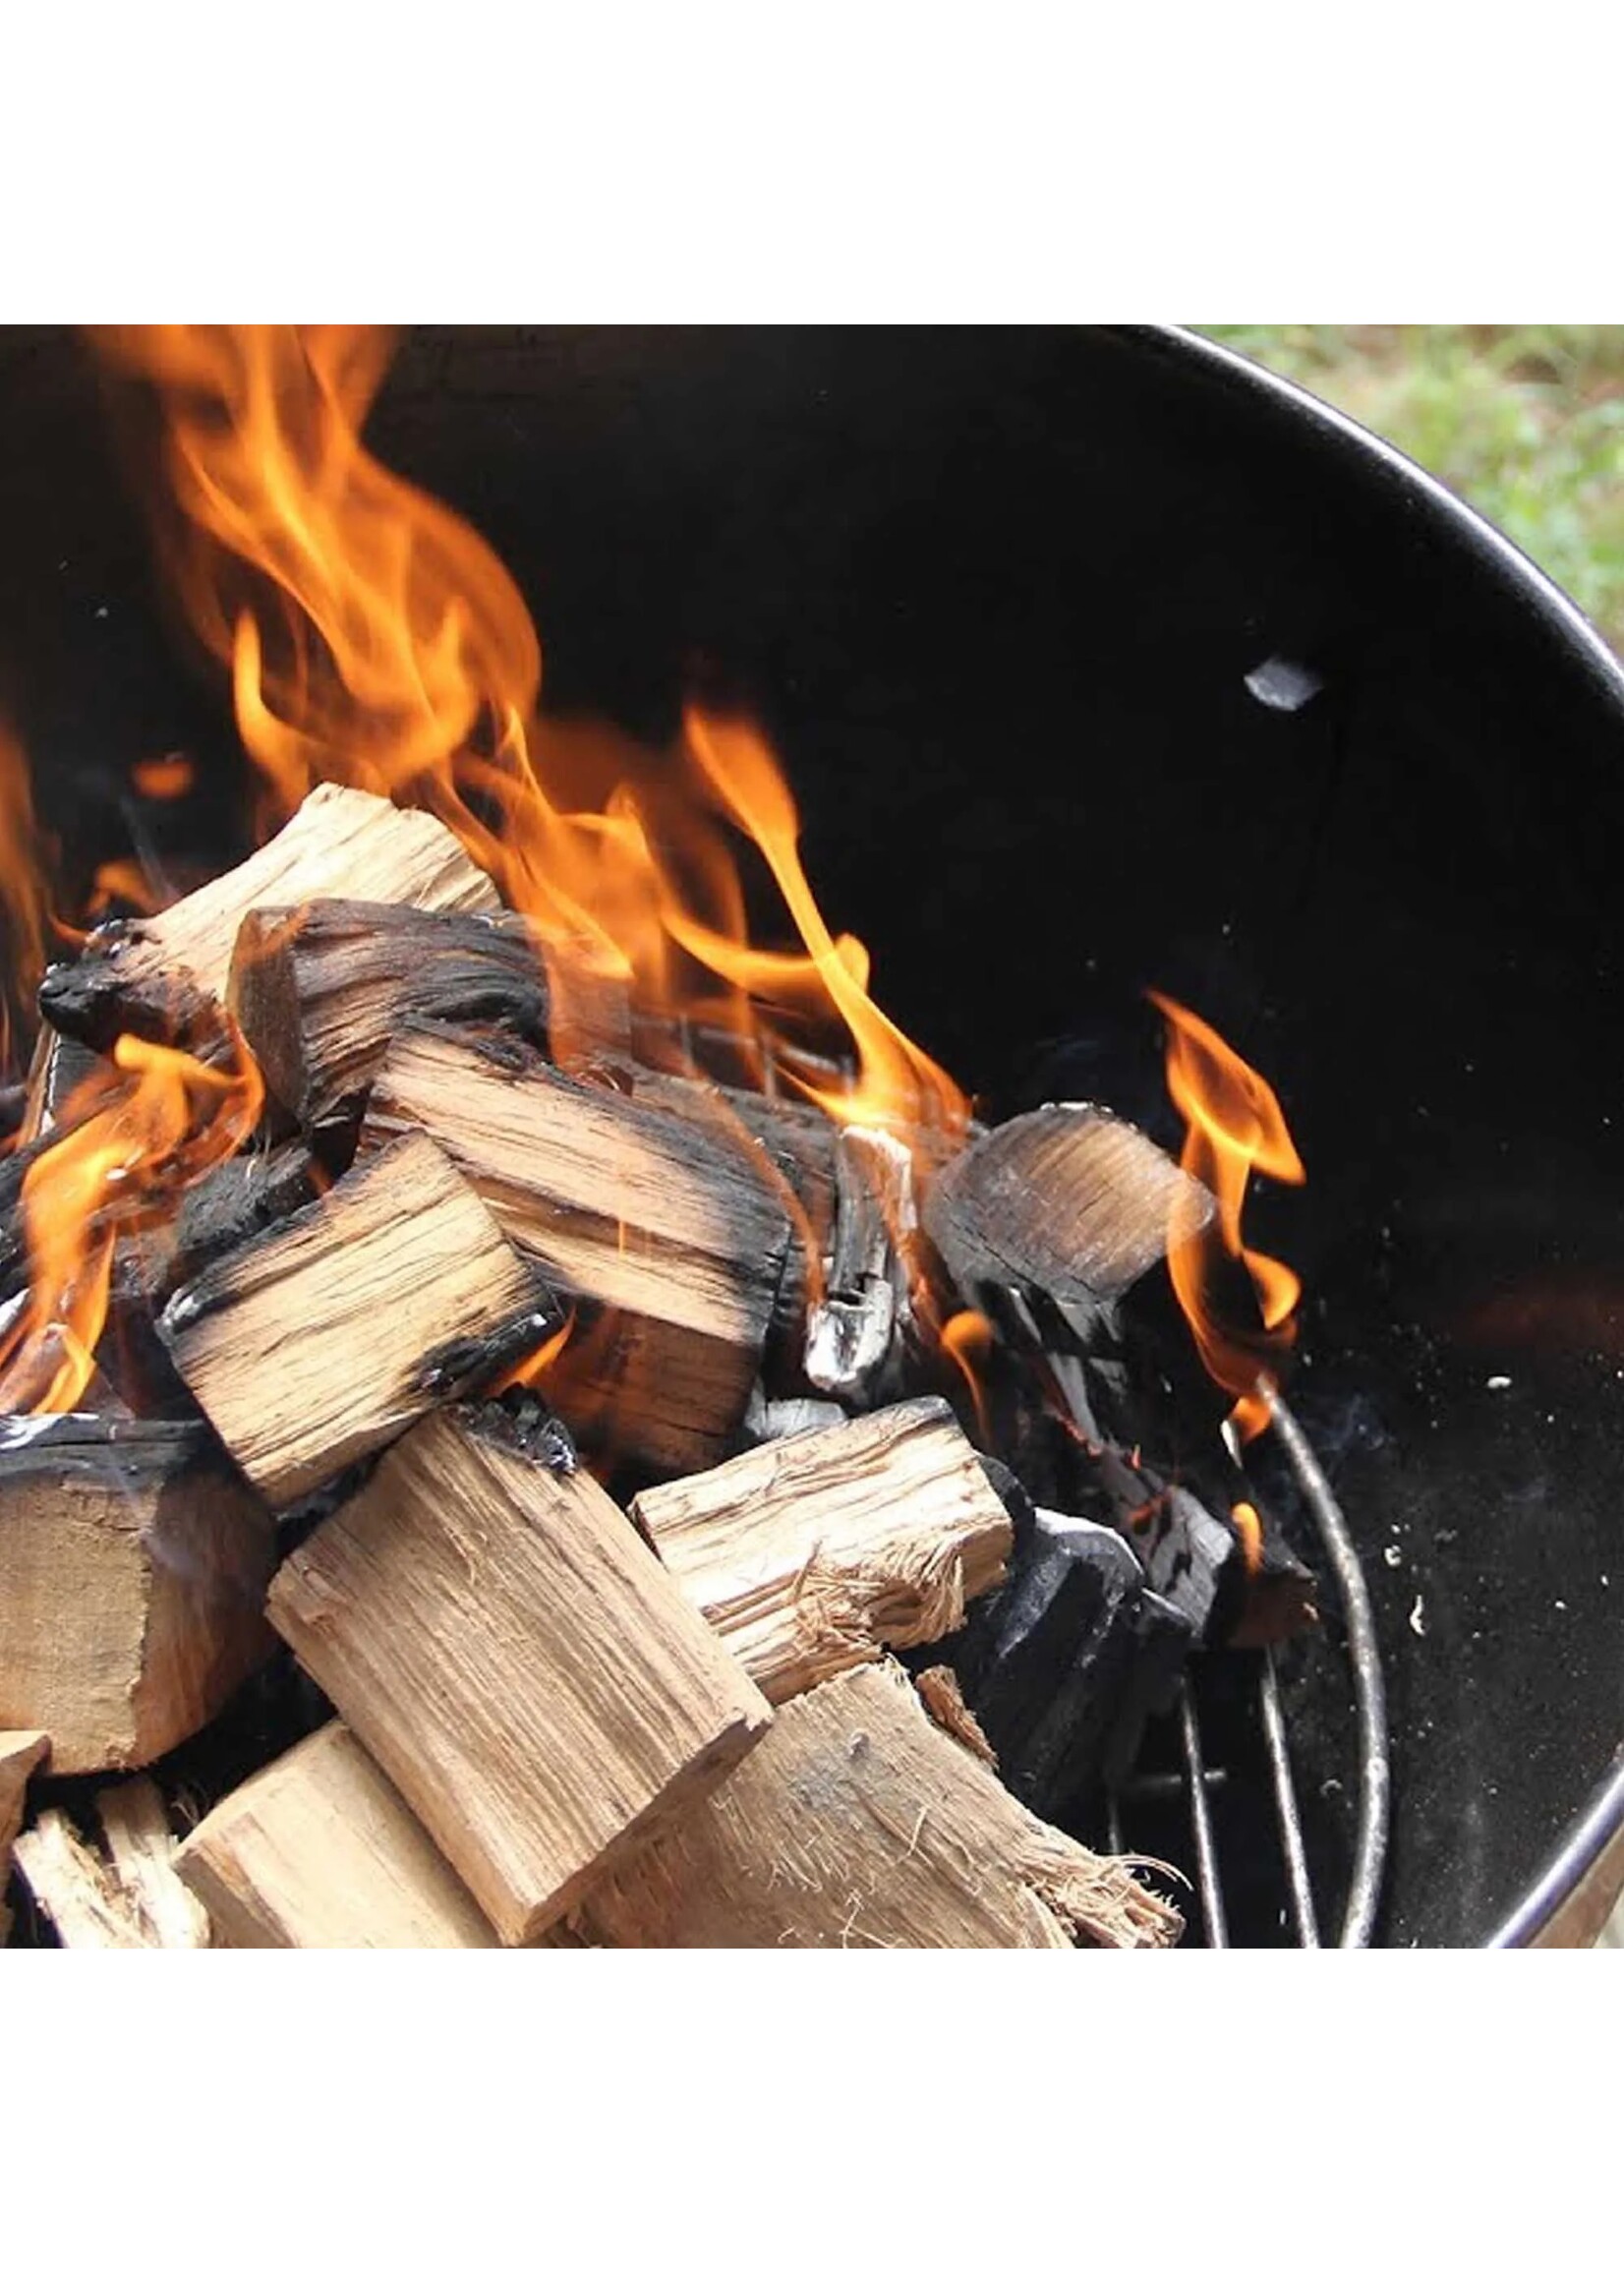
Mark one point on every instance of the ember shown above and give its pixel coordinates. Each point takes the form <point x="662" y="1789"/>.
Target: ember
<point x="473" y="1088"/>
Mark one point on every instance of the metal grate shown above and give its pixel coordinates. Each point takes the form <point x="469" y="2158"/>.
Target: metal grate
<point x="1197" y="1781"/>
<point x="699" y="1050"/>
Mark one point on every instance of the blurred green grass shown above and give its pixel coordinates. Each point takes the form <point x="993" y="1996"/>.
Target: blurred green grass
<point x="1526" y="422"/>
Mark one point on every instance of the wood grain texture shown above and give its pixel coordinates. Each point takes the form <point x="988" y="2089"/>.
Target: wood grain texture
<point x="326" y="1336"/>
<point x="679" y="1243"/>
<point x="341" y="845"/>
<point x="142" y="1849"/>
<point x="320" y="1853"/>
<point x="131" y="1603"/>
<point x="319" y="991"/>
<point x="77" y="1891"/>
<point x="20" y="1753"/>
<point x="857" y="1823"/>
<point x="815" y="1552"/>
<point x="1067" y="1198"/>
<point x="506" y="1648"/>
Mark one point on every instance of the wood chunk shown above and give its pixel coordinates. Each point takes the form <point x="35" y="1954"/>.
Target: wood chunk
<point x="505" y="1647"/>
<point x="133" y="1570"/>
<point x="320" y="1853"/>
<point x="331" y="1332"/>
<point x="857" y="1822"/>
<point x="1069" y="1199"/>
<point x="234" y="1202"/>
<point x="815" y="1552"/>
<point x="20" y="1753"/>
<point x="134" y="1825"/>
<point x="76" y="1891"/>
<point x="849" y="1332"/>
<point x="320" y="990"/>
<point x="676" y="1241"/>
<point x="154" y="976"/>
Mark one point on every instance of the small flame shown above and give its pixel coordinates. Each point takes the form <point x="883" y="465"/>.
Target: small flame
<point x="121" y="883"/>
<point x="163" y="779"/>
<point x="136" y="1135"/>
<point x="1234" y="1125"/>
<point x="968" y="1339"/>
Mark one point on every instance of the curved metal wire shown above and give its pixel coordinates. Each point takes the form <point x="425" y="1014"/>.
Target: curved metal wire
<point x="1370" y="1689"/>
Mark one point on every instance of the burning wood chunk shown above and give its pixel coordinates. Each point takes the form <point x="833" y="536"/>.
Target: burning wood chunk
<point x="230" y="1205"/>
<point x="858" y="1820"/>
<point x="20" y="1753"/>
<point x="1062" y="1667"/>
<point x="78" y="1891"/>
<point x="320" y="1853"/>
<point x="850" y="1333"/>
<point x="330" y="1333"/>
<point x="133" y="1570"/>
<point x="134" y="1825"/>
<point x="156" y="976"/>
<point x="812" y="1554"/>
<point x="1069" y="1199"/>
<point x="505" y="1647"/>
<point x="320" y="990"/>
<point x="678" y="1239"/>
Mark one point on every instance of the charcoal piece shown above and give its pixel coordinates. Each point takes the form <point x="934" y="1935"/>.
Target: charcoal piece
<point x="1189" y="1558"/>
<point x="1062" y="1665"/>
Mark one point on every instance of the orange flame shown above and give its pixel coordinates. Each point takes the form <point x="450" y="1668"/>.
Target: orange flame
<point x="1234" y="1125"/>
<point x="137" y="1134"/>
<point x="397" y="655"/>
<point x="164" y="779"/>
<point x="24" y="867"/>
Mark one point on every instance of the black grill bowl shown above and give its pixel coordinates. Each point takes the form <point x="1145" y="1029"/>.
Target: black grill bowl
<point x="996" y="595"/>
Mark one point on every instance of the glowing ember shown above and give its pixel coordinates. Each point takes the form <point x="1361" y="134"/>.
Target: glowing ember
<point x="138" y="1134"/>
<point x="1233" y="1126"/>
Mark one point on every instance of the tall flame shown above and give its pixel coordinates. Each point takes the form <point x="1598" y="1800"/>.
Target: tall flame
<point x="135" y="1135"/>
<point x="396" y="654"/>
<point x="1233" y="1126"/>
<point x="23" y="875"/>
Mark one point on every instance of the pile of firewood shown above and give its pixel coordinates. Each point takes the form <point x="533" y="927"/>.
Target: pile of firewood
<point x="807" y="1668"/>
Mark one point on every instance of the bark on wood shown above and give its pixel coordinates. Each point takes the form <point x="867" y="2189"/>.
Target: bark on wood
<point x="158" y="976"/>
<point x="677" y="1246"/>
<point x="505" y="1647"/>
<point x="814" y="1554"/>
<point x="858" y="1823"/>
<point x="1069" y="1199"/>
<point x="331" y="1332"/>
<point x="20" y="1753"/>
<point x="320" y="990"/>
<point x="320" y="1853"/>
<point x="134" y="1825"/>
<point x="133" y="1570"/>
<point x="77" y="1891"/>
<point x="944" y="1701"/>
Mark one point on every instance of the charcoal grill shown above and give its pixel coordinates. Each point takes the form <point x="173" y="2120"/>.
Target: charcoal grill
<point x="1100" y="660"/>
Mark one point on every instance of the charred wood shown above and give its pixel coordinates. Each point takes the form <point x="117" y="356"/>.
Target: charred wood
<point x="329" y="1333"/>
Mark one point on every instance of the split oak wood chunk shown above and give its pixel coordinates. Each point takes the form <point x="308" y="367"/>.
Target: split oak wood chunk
<point x="815" y="1553"/>
<point x="319" y="990"/>
<point x="133" y="1571"/>
<point x="678" y="1243"/>
<point x="857" y="1822"/>
<point x="1069" y="1199"/>
<point x="134" y="1825"/>
<point x="20" y="1753"/>
<point x="150" y="977"/>
<point x="502" y="1642"/>
<point x="332" y="1332"/>
<point x="77" y="1891"/>
<point x="320" y="1853"/>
